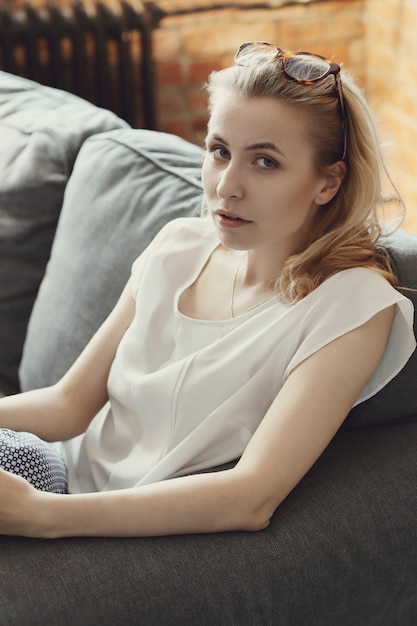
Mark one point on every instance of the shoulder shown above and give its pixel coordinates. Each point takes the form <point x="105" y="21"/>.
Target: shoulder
<point x="179" y="234"/>
<point x="357" y="276"/>
<point x="349" y="299"/>
<point x="357" y="285"/>
<point x="185" y="229"/>
<point x="180" y="243"/>
<point x="345" y="302"/>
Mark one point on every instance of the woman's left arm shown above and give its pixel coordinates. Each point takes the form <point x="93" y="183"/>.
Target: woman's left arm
<point x="298" y="426"/>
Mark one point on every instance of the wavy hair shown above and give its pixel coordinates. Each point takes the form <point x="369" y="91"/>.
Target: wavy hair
<point x="346" y="230"/>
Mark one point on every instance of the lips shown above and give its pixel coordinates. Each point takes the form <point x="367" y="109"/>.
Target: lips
<point x="228" y="215"/>
<point x="229" y="221"/>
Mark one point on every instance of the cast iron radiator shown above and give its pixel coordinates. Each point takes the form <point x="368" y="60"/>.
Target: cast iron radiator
<point x="101" y="52"/>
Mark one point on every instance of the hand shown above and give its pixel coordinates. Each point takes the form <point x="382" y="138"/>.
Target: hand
<point x="19" y="502"/>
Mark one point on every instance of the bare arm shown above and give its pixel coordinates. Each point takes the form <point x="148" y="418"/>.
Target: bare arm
<point x="302" y="420"/>
<point x="65" y="409"/>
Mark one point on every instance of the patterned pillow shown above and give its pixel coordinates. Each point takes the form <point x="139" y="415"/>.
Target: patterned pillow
<point x="35" y="460"/>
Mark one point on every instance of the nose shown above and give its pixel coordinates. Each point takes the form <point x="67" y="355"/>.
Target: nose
<point x="230" y="182"/>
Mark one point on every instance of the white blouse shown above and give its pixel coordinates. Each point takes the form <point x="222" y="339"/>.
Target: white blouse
<point x="187" y="394"/>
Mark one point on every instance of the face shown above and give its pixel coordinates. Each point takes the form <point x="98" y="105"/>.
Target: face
<point x="259" y="178"/>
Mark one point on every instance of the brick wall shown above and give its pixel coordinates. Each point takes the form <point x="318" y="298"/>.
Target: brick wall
<point x="391" y="86"/>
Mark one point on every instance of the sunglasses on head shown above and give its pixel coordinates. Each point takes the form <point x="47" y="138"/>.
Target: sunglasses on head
<point x="302" y="67"/>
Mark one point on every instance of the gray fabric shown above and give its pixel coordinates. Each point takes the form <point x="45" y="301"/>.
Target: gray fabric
<point x="340" y="550"/>
<point x="398" y="400"/>
<point x="125" y="185"/>
<point x="6" y="387"/>
<point x="41" y="131"/>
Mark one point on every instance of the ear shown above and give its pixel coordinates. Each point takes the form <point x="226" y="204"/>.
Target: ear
<point x="333" y="178"/>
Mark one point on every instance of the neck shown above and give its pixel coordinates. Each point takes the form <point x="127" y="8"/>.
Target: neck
<point x="252" y="285"/>
<point x="261" y="270"/>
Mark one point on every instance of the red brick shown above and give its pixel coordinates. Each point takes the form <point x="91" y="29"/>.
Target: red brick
<point x="166" y="44"/>
<point x="199" y="70"/>
<point x="177" y="127"/>
<point x="169" y="73"/>
<point x="197" y="100"/>
<point x="199" y="130"/>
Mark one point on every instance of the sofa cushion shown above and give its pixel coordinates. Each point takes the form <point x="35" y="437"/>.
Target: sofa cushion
<point x="397" y="401"/>
<point x="340" y="551"/>
<point x="41" y="131"/>
<point x="125" y="186"/>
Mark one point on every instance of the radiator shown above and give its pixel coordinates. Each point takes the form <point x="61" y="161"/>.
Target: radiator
<point x="101" y="52"/>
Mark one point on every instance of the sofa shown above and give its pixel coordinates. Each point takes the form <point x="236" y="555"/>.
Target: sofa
<point x="81" y="195"/>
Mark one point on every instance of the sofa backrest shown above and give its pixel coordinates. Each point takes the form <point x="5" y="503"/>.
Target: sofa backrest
<point x="125" y="186"/>
<point x="397" y="401"/>
<point x="41" y="130"/>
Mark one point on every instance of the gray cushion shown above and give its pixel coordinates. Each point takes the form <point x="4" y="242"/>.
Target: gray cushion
<point x="125" y="185"/>
<point x="41" y="131"/>
<point x="397" y="401"/>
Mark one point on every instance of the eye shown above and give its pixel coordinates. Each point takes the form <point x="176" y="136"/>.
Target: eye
<point x="220" y="152"/>
<point x="266" y="163"/>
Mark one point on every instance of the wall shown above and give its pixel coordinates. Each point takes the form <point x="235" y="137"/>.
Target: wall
<point x="391" y="86"/>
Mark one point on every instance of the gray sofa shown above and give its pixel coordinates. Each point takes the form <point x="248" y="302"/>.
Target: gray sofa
<point x="80" y="188"/>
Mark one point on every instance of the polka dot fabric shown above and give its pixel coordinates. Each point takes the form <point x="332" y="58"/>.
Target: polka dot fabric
<point x="35" y="460"/>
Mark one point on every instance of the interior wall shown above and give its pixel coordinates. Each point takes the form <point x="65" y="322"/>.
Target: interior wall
<point x="391" y="85"/>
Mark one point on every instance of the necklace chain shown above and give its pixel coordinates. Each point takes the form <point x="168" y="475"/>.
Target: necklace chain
<point x="232" y="295"/>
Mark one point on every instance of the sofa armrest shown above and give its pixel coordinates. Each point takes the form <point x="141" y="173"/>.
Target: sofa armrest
<point x="339" y="550"/>
<point x="7" y="388"/>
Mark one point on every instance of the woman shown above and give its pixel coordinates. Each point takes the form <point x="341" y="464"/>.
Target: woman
<point x="276" y="314"/>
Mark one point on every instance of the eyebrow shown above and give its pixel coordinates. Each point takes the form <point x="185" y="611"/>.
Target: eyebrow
<point x="262" y="145"/>
<point x="265" y="145"/>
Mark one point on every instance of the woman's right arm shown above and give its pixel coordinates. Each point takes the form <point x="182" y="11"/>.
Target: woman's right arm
<point x="65" y="409"/>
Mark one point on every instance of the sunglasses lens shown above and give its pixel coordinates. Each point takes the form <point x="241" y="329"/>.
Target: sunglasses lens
<point x="304" y="67"/>
<point x="255" y="53"/>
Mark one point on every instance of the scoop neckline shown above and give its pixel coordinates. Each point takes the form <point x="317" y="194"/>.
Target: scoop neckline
<point x="229" y="320"/>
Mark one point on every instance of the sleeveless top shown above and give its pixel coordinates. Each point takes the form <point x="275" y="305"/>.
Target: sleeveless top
<point x="187" y="394"/>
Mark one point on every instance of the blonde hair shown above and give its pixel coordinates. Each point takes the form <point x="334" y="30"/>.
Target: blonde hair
<point x="347" y="229"/>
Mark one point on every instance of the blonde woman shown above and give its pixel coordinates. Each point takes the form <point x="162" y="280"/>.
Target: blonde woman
<point x="273" y="316"/>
